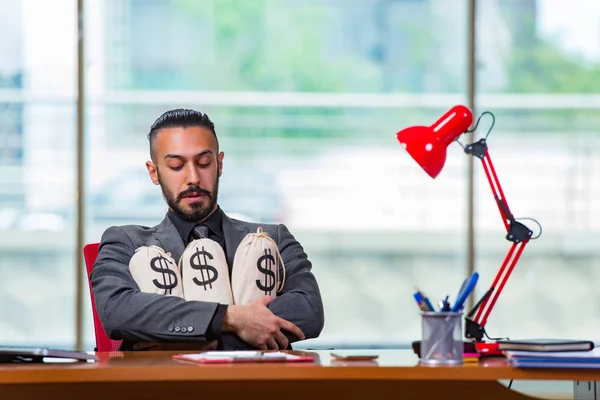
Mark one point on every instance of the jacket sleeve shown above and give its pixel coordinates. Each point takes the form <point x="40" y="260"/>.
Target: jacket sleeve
<point x="300" y="300"/>
<point x="127" y="313"/>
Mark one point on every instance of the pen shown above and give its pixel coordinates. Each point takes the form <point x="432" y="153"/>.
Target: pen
<point x="422" y="298"/>
<point x="444" y="304"/>
<point x="429" y="305"/>
<point x="420" y="302"/>
<point x="464" y="292"/>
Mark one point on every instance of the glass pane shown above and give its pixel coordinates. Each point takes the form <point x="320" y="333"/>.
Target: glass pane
<point x="539" y="63"/>
<point x="307" y="118"/>
<point x="37" y="180"/>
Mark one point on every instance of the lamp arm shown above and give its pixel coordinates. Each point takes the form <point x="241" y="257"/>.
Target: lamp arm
<point x="511" y="259"/>
<point x="517" y="233"/>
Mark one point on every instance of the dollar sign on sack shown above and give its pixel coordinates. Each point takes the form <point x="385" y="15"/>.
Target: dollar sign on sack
<point x="209" y="274"/>
<point x="169" y="278"/>
<point x="269" y="261"/>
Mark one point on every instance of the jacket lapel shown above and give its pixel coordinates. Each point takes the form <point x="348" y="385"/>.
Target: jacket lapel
<point x="234" y="234"/>
<point x="169" y="238"/>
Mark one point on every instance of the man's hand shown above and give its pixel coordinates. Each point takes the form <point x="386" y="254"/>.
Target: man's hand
<point x="255" y="324"/>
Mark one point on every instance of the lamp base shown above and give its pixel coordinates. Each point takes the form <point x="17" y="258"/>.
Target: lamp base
<point x="485" y="349"/>
<point x="473" y="330"/>
<point x="488" y="349"/>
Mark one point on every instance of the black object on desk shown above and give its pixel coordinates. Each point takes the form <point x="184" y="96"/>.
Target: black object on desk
<point x="468" y="347"/>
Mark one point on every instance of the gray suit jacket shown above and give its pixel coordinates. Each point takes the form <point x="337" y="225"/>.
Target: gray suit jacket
<point x="134" y="316"/>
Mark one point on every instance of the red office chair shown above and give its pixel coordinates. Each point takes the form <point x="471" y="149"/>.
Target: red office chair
<point x="103" y="342"/>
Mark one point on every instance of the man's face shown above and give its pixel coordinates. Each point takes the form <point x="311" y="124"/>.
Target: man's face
<point x="187" y="168"/>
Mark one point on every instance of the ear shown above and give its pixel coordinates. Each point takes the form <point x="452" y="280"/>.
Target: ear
<point x="220" y="163"/>
<point x="152" y="171"/>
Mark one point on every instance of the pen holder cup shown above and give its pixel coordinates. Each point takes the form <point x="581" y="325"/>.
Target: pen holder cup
<point x="441" y="341"/>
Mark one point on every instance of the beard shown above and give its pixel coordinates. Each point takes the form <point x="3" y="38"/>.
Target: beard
<point x="197" y="211"/>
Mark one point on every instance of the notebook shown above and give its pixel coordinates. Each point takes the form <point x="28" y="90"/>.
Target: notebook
<point x="242" y="356"/>
<point x="554" y="359"/>
<point x="546" y="345"/>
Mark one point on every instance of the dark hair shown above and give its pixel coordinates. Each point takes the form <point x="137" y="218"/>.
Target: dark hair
<point x="180" y="118"/>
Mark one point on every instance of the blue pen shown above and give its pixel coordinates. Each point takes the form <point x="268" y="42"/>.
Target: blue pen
<point x="420" y="302"/>
<point x="429" y="305"/>
<point x="464" y="292"/>
<point x="422" y="298"/>
<point x="445" y="305"/>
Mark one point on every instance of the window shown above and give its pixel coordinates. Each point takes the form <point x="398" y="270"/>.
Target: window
<point x="37" y="164"/>
<point x="541" y="88"/>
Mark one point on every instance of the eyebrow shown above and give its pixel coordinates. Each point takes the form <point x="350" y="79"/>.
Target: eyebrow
<point x="179" y="157"/>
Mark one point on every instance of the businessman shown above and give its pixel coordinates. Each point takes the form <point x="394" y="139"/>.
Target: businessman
<point x="186" y="162"/>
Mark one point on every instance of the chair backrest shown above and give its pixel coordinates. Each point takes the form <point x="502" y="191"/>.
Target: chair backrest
<point x="103" y="342"/>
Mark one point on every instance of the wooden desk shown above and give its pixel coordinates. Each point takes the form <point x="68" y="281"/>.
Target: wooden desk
<point x="149" y="375"/>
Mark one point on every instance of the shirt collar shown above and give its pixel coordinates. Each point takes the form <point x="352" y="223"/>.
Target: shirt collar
<point x="185" y="227"/>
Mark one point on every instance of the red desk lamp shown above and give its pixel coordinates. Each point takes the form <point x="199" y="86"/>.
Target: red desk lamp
<point x="427" y="146"/>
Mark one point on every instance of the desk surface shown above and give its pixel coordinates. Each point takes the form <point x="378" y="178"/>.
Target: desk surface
<point x="160" y="366"/>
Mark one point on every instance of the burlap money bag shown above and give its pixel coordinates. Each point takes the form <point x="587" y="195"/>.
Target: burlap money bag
<point x="204" y="272"/>
<point x="256" y="268"/>
<point x="155" y="271"/>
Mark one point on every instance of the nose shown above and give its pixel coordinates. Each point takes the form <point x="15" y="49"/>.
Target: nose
<point x="193" y="177"/>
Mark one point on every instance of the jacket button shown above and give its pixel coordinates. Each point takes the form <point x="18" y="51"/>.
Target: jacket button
<point x="190" y="328"/>
<point x="177" y="329"/>
<point x="171" y="328"/>
<point x="183" y="329"/>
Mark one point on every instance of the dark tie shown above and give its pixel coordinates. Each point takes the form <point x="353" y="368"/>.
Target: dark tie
<point x="201" y="232"/>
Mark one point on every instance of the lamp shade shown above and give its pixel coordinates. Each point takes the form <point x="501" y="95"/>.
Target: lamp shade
<point x="427" y="144"/>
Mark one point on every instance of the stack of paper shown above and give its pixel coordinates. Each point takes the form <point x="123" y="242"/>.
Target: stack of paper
<point x="566" y="359"/>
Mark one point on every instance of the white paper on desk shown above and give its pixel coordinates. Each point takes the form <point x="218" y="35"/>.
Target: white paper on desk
<point x="241" y="356"/>
<point x="234" y="354"/>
